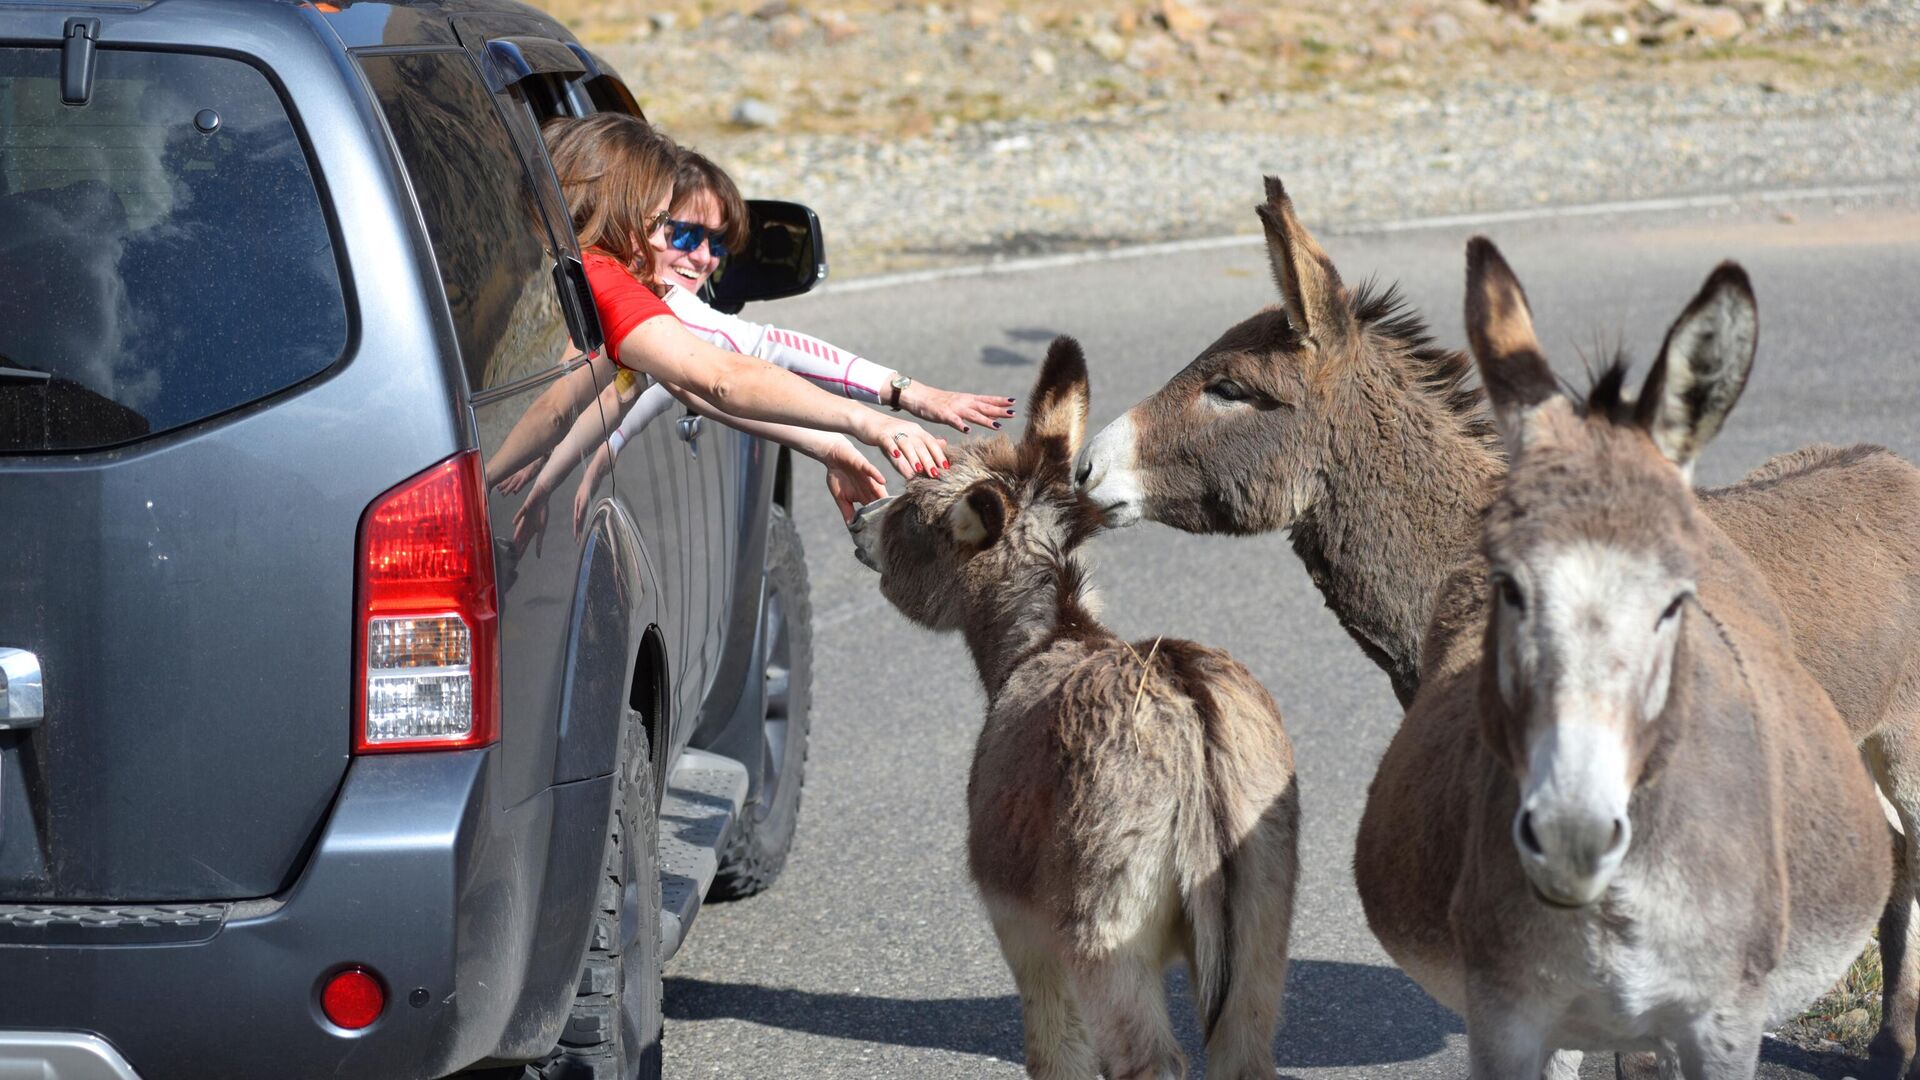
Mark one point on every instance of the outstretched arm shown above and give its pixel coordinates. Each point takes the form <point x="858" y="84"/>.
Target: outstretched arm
<point x="832" y="368"/>
<point x="752" y="389"/>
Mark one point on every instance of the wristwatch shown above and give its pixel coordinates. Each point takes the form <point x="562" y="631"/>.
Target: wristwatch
<point x="899" y="382"/>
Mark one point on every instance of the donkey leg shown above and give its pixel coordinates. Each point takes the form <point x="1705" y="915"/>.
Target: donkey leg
<point x="1057" y="1044"/>
<point x="1241" y="1043"/>
<point x="1895" y="763"/>
<point x="1502" y="1043"/>
<point x="1125" y="1000"/>
<point x="1722" y="1046"/>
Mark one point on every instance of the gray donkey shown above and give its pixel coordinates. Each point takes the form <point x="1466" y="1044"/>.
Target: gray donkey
<point x="1129" y="805"/>
<point x="1332" y="416"/>
<point x="1619" y="813"/>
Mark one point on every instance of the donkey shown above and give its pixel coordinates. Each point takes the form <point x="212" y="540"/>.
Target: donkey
<point x="1619" y="812"/>
<point x="1334" y="417"/>
<point x="1128" y="804"/>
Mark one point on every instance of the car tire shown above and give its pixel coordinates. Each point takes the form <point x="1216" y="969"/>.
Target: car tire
<point x="757" y="851"/>
<point x="613" y="1031"/>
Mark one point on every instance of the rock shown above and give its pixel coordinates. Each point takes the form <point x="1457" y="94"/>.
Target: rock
<point x="788" y="32"/>
<point x="1042" y="62"/>
<point x="1012" y="144"/>
<point x="1856" y="1019"/>
<point x="754" y="113"/>
<point x="1108" y="45"/>
<point x="979" y="17"/>
<point x="840" y="29"/>
<point x="1127" y="21"/>
<point x="1443" y="27"/>
<point x="1388" y="48"/>
<point x="1573" y="14"/>
<point x="1185" y="19"/>
<point x="769" y="11"/>
<point x="1712" y="23"/>
<point x="663" y="20"/>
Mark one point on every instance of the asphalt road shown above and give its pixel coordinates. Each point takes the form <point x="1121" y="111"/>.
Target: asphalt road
<point x="870" y="957"/>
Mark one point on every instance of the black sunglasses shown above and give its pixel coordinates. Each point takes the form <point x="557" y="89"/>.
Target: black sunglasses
<point x="687" y="236"/>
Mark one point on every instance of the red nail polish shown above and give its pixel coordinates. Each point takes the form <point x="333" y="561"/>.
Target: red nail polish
<point x="896" y="453"/>
<point x="944" y="465"/>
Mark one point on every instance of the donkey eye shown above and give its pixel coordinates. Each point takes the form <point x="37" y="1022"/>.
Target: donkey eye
<point x="1228" y="390"/>
<point x="1509" y="592"/>
<point x="1673" y="608"/>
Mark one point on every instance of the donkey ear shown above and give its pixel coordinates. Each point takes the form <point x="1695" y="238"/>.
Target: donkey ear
<point x="1500" y="332"/>
<point x="1703" y="366"/>
<point x="1058" y="408"/>
<point x="1309" y="285"/>
<point x="979" y="517"/>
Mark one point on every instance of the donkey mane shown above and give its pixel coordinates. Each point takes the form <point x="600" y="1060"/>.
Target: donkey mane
<point x="1441" y="372"/>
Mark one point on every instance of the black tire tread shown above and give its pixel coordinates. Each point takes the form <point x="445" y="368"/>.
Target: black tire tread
<point x="589" y="1045"/>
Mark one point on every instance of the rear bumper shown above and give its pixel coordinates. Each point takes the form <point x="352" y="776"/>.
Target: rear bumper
<point x="61" y="1055"/>
<point x="416" y="876"/>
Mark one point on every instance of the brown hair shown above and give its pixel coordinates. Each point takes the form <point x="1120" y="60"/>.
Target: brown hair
<point x="697" y="173"/>
<point x="613" y="170"/>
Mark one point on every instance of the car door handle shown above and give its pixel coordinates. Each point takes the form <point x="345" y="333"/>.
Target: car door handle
<point x="690" y="433"/>
<point x="21" y="703"/>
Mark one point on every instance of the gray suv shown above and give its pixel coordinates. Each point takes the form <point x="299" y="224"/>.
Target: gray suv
<point x="306" y="767"/>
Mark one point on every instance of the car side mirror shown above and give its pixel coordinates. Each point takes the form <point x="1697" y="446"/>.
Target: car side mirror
<point x="785" y="256"/>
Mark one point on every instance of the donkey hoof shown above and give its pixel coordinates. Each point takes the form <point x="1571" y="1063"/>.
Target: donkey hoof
<point x="1641" y="1066"/>
<point x="1887" y="1059"/>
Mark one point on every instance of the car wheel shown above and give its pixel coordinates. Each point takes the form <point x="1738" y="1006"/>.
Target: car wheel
<point x="761" y="839"/>
<point x="613" y="1031"/>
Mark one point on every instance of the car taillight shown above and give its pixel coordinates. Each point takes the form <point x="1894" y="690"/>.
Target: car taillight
<point x="426" y="657"/>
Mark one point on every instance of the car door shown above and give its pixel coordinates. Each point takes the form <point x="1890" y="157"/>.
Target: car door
<point x="465" y="146"/>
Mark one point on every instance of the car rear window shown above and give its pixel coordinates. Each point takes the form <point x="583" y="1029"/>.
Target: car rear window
<point x="163" y="246"/>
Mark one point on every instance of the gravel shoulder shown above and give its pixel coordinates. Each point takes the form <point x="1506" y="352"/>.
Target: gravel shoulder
<point x="929" y="135"/>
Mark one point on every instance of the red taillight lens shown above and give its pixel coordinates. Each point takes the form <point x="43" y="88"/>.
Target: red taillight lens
<point x="425" y="650"/>
<point x="353" y="999"/>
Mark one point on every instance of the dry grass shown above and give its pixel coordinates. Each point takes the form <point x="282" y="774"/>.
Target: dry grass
<point x="1849" y="1014"/>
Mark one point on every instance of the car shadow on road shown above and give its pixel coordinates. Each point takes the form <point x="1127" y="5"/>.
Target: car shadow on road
<point x="1324" y="1000"/>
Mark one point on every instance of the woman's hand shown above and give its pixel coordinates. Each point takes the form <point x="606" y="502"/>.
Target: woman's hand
<point x="521" y="477"/>
<point x="851" y="478"/>
<point x="907" y="445"/>
<point x="953" y="408"/>
<point x="530" y="522"/>
<point x="597" y="466"/>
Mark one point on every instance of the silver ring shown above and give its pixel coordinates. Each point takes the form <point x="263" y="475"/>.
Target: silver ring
<point x="898" y="435"/>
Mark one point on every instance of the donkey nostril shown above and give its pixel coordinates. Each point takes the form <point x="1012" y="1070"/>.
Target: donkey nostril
<point x="1527" y="837"/>
<point x="1619" y="837"/>
<point x="1080" y="475"/>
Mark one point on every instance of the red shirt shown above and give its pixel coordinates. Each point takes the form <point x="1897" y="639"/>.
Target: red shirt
<point x="622" y="301"/>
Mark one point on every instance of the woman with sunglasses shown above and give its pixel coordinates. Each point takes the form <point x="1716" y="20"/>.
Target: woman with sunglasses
<point x="707" y="222"/>
<point x="616" y="173"/>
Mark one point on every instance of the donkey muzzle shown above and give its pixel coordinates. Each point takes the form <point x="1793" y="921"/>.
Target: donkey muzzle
<point x="1105" y="473"/>
<point x="865" y="529"/>
<point x="1570" y="854"/>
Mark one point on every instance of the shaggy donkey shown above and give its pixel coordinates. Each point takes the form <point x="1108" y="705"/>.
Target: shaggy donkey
<point x="1129" y="804"/>
<point x="1331" y="416"/>
<point x="1619" y="813"/>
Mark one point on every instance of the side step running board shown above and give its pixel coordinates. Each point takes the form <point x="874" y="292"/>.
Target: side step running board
<point x="704" y="795"/>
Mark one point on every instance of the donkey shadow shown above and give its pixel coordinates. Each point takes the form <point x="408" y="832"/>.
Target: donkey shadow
<point x="1338" y="1014"/>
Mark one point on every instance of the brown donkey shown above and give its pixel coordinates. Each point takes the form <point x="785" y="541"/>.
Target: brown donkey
<point x="1333" y="417"/>
<point x="1129" y="804"/>
<point x="1619" y="813"/>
